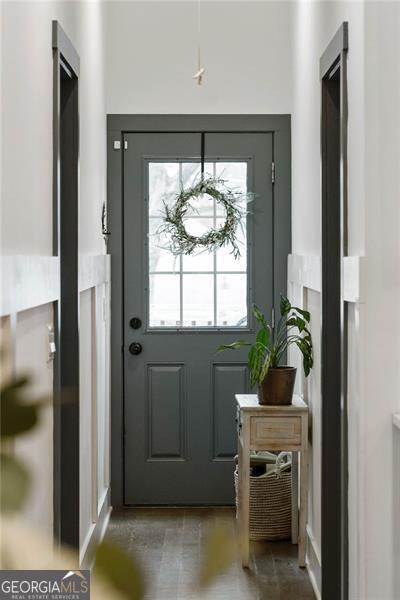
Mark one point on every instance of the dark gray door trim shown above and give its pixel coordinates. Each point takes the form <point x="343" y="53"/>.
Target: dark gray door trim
<point x="334" y="481"/>
<point x="117" y="126"/>
<point x="338" y="44"/>
<point x="65" y="245"/>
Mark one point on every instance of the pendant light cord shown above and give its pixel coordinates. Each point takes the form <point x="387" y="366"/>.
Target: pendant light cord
<point x="203" y="145"/>
<point x="199" y="33"/>
<point x="200" y="70"/>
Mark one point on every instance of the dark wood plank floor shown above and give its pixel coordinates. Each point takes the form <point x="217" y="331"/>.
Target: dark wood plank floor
<point x="167" y="542"/>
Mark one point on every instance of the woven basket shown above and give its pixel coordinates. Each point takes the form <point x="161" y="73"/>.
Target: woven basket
<point x="270" y="506"/>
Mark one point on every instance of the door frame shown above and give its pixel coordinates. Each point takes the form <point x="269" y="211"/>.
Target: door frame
<point x="66" y="310"/>
<point x="119" y="125"/>
<point x="334" y="459"/>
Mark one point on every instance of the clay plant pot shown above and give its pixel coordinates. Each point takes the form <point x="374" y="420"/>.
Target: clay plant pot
<point x="277" y="387"/>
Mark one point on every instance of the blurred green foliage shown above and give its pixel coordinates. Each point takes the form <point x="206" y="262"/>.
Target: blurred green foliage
<point x="19" y="415"/>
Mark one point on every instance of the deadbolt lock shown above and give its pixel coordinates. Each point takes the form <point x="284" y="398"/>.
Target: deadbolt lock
<point x="135" y="323"/>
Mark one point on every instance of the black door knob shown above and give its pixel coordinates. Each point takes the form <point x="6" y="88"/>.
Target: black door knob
<point x="135" y="323"/>
<point x="135" y="348"/>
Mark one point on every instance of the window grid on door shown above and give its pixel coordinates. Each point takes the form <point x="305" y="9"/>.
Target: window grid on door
<point x="168" y="302"/>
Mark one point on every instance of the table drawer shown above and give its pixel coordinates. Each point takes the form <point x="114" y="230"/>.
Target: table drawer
<point x="273" y="431"/>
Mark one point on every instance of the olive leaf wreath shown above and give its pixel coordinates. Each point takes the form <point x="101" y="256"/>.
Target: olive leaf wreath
<point x="181" y="241"/>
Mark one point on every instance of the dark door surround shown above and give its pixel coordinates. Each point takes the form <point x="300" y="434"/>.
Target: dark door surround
<point x="66" y="309"/>
<point x="117" y="127"/>
<point x="334" y="467"/>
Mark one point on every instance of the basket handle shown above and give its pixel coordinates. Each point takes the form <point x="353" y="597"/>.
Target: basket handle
<point x="279" y="462"/>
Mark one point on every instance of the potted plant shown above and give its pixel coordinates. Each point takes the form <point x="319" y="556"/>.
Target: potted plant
<point x="276" y="382"/>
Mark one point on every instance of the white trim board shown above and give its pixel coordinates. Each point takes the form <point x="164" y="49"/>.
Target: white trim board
<point x="94" y="270"/>
<point x="96" y="532"/>
<point x="27" y="282"/>
<point x="31" y="281"/>
<point x="313" y="564"/>
<point x="396" y="420"/>
<point x="305" y="271"/>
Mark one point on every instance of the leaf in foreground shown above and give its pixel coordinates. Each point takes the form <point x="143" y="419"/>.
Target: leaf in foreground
<point x="18" y="416"/>
<point x="119" y="570"/>
<point x="15" y="483"/>
<point x="219" y="552"/>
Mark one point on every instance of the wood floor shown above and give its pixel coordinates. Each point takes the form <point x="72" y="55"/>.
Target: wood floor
<point x="167" y="542"/>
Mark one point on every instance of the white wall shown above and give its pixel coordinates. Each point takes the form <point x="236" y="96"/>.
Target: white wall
<point x="315" y="23"/>
<point x="27" y="88"/>
<point x="26" y="209"/>
<point x="373" y="219"/>
<point x="151" y="55"/>
<point x="382" y="284"/>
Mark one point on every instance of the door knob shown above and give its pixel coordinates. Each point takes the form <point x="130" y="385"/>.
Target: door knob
<point x="135" y="323"/>
<point x="135" y="348"/>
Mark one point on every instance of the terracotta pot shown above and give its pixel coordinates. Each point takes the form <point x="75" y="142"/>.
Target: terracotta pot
<point x="277" y="387"/>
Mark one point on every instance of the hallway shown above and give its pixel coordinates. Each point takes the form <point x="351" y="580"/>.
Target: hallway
<point x="168" y="543"/>
<point x="200" y="277"/>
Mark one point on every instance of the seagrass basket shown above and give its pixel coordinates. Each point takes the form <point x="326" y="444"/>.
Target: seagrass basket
<point x="270" y="505"/>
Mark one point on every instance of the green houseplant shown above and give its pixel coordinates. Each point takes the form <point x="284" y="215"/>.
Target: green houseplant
<point x="276" y="382"/>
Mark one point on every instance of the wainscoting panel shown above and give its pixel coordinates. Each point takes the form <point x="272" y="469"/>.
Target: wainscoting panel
<point x="228" y="380"/>
<point x="29" y="287"/>
<point x="166" y="416"/>
<point x="304" y="290"/>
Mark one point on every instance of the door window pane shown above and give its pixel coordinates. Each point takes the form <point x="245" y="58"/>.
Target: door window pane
<point x="231" y="300"/>
<point x="235" y="176"/>
<point x="225" y="259"/>
<point x="160" y="258"/>
<point x="198" y="300"/>
<point x="164" y="300"/>
<point x="205" y="289"/>
<point x="163" y="185"/>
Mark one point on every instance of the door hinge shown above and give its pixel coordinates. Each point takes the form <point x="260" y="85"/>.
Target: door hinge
<point x="273" y="172"/>
<point x="273" y="318"/>
<point x="117" y="145"/>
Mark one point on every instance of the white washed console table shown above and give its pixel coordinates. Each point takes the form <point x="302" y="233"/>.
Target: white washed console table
<point x="271" y="428"/>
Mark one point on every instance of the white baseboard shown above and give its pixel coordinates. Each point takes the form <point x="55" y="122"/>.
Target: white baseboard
<point x="96" y="533"/>
<point x="313" y="564"/>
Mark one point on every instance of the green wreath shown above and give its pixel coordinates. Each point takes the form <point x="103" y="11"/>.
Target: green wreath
<point x="181" y="241"/>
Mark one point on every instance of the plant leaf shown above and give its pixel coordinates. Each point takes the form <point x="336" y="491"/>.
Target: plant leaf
<point x="254" y="362"/>
<point x="259" y="316"/>
<point x="306" y="349"/>
<point x="15" y="484"/>
<point x="304" y="313"/>
<point x="285" y="306"/>
<point x="232" y="346"/>
<point x="263" y="337"/>
<point x="120" y="570"/>
<point x="265" y="368"/>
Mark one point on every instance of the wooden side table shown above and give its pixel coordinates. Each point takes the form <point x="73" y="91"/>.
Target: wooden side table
<point x="271" y="428"/>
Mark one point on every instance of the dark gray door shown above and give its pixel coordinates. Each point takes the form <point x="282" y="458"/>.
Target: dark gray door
<point x="180" y="435"/>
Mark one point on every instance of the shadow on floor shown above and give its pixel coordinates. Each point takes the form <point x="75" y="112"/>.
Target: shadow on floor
<point x="167" y="542"/>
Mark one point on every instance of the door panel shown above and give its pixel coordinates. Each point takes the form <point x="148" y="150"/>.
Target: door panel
<point x="180" y="434"/>
<point x="166" y="411"/>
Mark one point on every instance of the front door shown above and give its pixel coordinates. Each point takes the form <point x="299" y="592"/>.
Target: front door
<point x="180" y="434"/>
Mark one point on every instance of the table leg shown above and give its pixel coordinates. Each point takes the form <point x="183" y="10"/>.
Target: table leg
<point x="244" y="498"/>
<point x="295" y="498"/>
<point x="303" y="498"/>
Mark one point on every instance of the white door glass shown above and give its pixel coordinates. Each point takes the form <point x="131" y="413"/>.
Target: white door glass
<point x="207" y="290"/>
